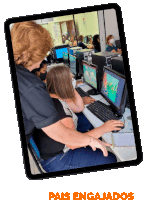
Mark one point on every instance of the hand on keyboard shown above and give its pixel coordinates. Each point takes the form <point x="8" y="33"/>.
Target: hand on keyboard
<point x="112" y="125"/>
<point x="88" y="100"/>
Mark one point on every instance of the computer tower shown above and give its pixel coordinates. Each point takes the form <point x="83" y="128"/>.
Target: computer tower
<point x="102" y="59"/>
<point x="118" y="65"/>
<point x="73" y="50"/>
<point x="105" y="58"/>
<point x="86" y="55"/>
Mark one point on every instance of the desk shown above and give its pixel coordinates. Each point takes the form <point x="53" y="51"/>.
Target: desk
<point x="123" y="153"/>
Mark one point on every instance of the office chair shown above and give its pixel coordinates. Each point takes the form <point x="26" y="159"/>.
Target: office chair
<point x="35" y="154"/>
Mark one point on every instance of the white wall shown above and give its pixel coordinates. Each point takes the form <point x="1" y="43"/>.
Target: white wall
<point x="111" y="25"/>
<point x="101" y="30"/>
<point x="87" y="23"/>
<point x="110" y="28"/>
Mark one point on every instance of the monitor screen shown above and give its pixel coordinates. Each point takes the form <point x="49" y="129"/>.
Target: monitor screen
<point x="59" y="52"/>
<point x="85" y="40"/>
<point x="72" y="64"/>
<point x="90" y="75"/>
<point x="113" y="87"/>
<point x="71" y="51"/>
<point x="65" y="56"/>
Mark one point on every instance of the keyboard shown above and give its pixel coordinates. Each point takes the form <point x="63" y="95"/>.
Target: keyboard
<point x="81" y="92"/>
<point x="102" y="111"/>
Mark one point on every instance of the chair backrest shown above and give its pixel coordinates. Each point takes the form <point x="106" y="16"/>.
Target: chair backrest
<point x="35" y="154"/>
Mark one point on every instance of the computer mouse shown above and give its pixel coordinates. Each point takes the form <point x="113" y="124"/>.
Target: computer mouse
<point x="118" y="130"/>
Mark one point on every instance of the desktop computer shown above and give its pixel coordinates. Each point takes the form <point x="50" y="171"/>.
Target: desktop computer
<point x="118" y="65"/>
<point x="102" y="59"/>
<point x="73" y="50"/>
<point x="86" y="55"/>
<point x="85" y="40"/>
<point x="90" y="76"/>
<point x="114" y="91"/>
<point x="58" y="52"/>
<point x="73" y="64"/>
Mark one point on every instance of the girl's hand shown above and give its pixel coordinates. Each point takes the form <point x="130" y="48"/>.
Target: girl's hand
<point x="88" y="100"/>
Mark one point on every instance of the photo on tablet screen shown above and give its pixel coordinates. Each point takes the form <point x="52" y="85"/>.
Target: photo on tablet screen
<point x="73" y="91"/>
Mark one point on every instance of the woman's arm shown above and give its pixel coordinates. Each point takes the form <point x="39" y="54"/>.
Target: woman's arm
<point x="95" y="133"/>
<point x="90" y="46"/>
<point x="77" y="104"/>
<point x="114" y="51"/>
<point x="68" y="122"/>
<point x="118" y="51"/>
<point x="60" y="133"/>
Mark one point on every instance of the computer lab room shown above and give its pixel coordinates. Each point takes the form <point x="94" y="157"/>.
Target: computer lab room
<point x="88" y="45"/>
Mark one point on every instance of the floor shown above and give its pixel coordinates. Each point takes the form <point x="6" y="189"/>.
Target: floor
<point x="34" y="169"/>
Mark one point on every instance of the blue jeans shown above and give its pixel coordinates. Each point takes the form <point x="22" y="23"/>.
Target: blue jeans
<point x="83" y="124"/>
<point x="77" y="158"/>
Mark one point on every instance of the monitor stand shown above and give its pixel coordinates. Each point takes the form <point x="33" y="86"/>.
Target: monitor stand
<point x="119" y="116"/>
<point x="93" y="92"/>
<point x="76" y="77"/>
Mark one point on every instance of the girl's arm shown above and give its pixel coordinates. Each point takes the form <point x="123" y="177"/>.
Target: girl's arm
<point x="77" y="104"/>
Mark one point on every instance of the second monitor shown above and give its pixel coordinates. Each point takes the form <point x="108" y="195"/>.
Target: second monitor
<point x="90" y="77"/>
<point x="73" y="64"/>
<point x="84" y="54"/>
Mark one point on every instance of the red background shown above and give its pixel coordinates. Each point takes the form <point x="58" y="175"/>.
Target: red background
<point x="14" y="183"/>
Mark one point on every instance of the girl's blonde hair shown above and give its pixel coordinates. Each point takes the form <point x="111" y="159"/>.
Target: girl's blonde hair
<point x="30" y="42"/>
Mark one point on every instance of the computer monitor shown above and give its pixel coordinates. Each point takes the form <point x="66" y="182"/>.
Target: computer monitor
<point x="102" y="59"/>
<point x="73" y="64"/>
<point x="86" y="55"/>
<point x="58" y="52"/>
<point x="90" y="76"/>
<point x="89" y="39"/>
<point x="85" y="40"/>
<point x="65" y="58"/>
<point x="114" y="90"/>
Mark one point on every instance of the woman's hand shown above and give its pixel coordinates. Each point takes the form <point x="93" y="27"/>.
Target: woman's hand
<point x="96" y="143"/>
<point x="111" y="125"/>
<point x="120" y="51"/>
<point x="88" y="100"/>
